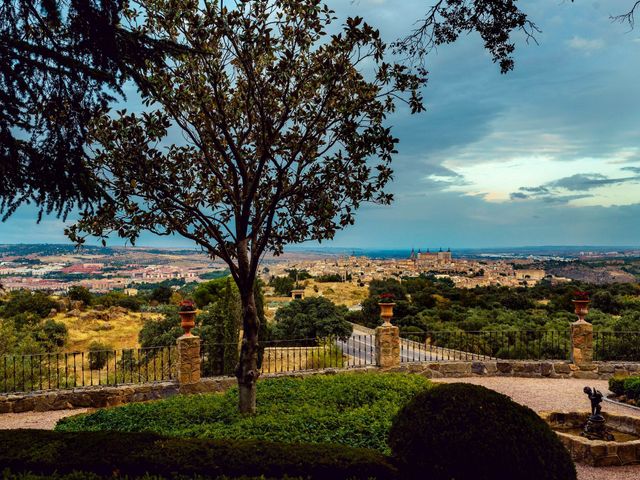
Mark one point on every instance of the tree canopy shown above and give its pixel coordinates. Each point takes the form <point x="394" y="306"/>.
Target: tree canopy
<point x="60" y="65"/>
<point x="285" y="137"/>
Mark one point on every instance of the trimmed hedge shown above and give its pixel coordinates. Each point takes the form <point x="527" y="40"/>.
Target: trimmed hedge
<point x="462" y="431"/>
<point x="632" y="387"/>
<point x="136" y="454"/>
<point x="354" y="409"/>
<point x="616" y="385"/>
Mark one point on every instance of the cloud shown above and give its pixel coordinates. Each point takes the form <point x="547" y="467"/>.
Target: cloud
<point x="585" y="44"/>
<point x="559" y="191"/>
<point x="589" y="181"/>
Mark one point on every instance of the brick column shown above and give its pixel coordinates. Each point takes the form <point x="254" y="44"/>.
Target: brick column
<point x="188" y="360"/>
<point x="387" y="346"/>
<point x="582" y="343"/>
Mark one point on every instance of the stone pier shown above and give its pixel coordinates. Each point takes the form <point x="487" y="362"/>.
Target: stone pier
<point x="387" y="346"/>
<point x="188" y="360"/>
<point x="582" y="344"/>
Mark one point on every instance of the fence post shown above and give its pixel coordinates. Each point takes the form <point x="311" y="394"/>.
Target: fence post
<point x="581" y="344"/>
<point x="188" y="360"/>
<point x="387" y="346"/>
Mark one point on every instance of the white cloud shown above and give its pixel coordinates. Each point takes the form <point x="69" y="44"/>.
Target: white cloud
<point x="585" y="44"/>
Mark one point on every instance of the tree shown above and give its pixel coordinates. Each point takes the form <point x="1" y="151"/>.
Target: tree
<point x="282" y="285"/>
<point x="285" y="138"/>
<point x="494" y="20"/>
<point x="311" y="318"/>
<point x="61" y="62"/>
<point x="81" y="294"/>
<point x="162" y="294"/>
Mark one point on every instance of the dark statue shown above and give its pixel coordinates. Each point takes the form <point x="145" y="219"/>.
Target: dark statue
<point x="595" y="428"/>
<point x="596" y="399"/>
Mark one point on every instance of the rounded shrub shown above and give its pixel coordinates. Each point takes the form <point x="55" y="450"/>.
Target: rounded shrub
<point x="462" y="431"/>
<point x="632" y="387"/>
<point x="616" y="385"/>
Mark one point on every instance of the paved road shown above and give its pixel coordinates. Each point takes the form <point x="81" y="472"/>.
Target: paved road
<point x="360" y="348"/>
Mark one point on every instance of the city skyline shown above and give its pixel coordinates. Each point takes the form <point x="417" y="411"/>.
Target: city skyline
<point x="545" y="155"/>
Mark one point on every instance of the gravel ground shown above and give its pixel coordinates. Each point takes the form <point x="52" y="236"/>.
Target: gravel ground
<point x="544" y="394"/>
<point x="537" y="393"/>
<point x="39" y="420"/>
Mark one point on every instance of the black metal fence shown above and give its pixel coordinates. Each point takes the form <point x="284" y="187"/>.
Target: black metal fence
<point x="616" y="346"/>
<point x="293" y="355"/>
<point x="484" y="345"/>
<point x="50" y="371"/>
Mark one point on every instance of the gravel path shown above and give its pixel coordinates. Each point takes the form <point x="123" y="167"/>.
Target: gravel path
<point x="39" y="420"/>
<point x="544" y="394"/>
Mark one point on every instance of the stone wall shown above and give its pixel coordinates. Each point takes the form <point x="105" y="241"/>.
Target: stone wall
<point x="519" y="368"/>
<point x="99" y="397"/>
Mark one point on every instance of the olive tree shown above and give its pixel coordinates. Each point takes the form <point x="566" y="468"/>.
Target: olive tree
<point x="284" y="137"/>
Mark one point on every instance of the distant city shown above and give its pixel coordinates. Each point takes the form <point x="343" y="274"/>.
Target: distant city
<point x="58" y="267"/>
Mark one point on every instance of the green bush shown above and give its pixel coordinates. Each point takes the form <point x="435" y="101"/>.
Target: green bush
<point x="632" y="387"/>
<point x="616" y="385"/>
<point x="465" y="431"/>
<point x="348" y="409"/>
<point x="99" y="354"/>
<point x="136" y="454"/>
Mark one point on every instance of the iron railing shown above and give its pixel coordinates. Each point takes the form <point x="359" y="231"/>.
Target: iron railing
<point x="484" y="345"/>
<point x="616" y="346"/>
<point x="293" y="355"/>
<point x="52" y="371"/>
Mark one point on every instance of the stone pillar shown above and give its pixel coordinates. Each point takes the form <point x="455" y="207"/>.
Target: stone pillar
<point x="188" y="360"/>
<point x="582" y="344"/>
<point x="387" y="346"/>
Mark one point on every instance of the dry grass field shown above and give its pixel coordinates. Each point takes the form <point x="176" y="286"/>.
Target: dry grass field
<point x="347" y="293"/>
<point x="120" y="330"/>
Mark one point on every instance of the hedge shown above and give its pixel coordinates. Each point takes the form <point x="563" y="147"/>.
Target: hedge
<point x="632" y="387"/>
<point x="462" y="431"/>
<point x="349" y="409"/>
<point x="136" y="454"/>
<point x="616" y="385"/>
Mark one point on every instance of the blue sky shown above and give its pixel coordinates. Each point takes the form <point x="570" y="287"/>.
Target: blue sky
<point x="547" y="154"/>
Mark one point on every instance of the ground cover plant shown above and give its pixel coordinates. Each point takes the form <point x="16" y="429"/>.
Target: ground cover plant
<point x="347" y="409"/>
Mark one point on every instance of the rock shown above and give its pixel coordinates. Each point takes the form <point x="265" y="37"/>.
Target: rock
<point x="74" y="313"/>
<point x="478" y="368"/>
<point x="586" y="375"/>
<point x="504" y="367"/>
<point x="53" y="312"/>
<point x="546" y="369"/>
<point x="428" y="373"/>
<point x="605" y="368"/>
<point x="77" y="305"/>
<point x="562" y="368"/>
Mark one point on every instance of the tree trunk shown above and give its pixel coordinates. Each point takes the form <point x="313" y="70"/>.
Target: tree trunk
<point x="247" y="371"/>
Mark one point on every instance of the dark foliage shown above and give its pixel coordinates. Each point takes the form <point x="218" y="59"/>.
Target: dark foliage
<point x="81" y="294"/>
<point x="616" y="385"/>
<point x="60" y="64"/>
<point x="161" y="294"/>
<point x="104" y="453"/>
<point x="467" y="432"/>
<point x="312" y="318"/>
<point x="282" y="285"/>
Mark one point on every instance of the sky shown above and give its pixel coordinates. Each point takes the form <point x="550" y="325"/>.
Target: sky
<point x="548" y="154"/>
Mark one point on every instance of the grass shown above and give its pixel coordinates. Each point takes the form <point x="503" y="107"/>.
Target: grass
<point x="120" y="332"/>
<point x="350" y="409"/>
